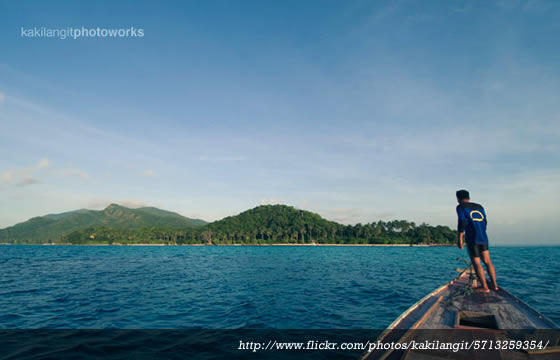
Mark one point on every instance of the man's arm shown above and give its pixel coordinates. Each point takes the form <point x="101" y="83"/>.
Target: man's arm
<point x="461" y="223"/>
<point x="460" y="239"/>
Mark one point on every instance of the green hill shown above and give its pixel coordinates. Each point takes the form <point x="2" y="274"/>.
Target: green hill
<point x="54" y="227"/>
<point x="267" y="224"/>
<point x="271" y="224"/>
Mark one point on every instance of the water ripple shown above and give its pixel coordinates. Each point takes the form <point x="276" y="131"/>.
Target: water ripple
<point x="233" y="287"/>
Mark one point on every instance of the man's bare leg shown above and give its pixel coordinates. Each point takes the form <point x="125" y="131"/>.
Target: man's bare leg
<point x="480" y="273"/>
<point x="490" y="267"/>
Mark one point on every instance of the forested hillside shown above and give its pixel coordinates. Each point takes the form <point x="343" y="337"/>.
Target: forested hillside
<point x="55" y="227"/>
<point x="272" y="224"/>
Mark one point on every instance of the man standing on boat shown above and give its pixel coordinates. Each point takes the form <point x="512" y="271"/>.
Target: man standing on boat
<point x="472" y="225"/>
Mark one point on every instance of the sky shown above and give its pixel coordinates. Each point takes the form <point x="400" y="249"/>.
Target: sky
<point x="357" y="110"/>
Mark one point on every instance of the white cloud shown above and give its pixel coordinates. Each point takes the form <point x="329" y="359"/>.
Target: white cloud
<point x="102" y="203"/>
<point x="149" y="172"/>
<point x="97" y="204"/>
<point x="2" y="97"/>
<point x="43" y="163"/>
<point x="23" y="176"/>
<point x="7" y="176"/>
<point x="356" y="215"/>
<point x="271" y="201"/>
<point x="343" y="215"/>
<point x="30" y="180"/>
<point x="130" y="203"/>
<point x="76" y="172"/>
<point x="221" y="158"/>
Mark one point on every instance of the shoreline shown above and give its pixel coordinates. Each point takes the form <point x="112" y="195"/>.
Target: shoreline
<point x="278" y="244"/>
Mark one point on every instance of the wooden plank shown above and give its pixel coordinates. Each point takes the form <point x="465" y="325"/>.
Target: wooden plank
<point x="415" y="326"/>
<point x="431" y="312"/>
<point x="427" y="313"/>
<point x="421" y="301"/>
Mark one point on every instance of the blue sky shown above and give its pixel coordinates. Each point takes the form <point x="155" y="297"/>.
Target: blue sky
<point x="357" y="110"/>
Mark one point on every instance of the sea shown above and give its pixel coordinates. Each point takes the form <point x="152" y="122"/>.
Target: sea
<point x="246" y="287"/>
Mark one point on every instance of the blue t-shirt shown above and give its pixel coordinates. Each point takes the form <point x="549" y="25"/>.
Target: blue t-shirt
<point x="473" y="221"/>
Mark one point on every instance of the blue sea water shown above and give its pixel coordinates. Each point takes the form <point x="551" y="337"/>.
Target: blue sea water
<point x="217" y="287"/>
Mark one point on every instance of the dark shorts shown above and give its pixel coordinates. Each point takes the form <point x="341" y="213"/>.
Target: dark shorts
<point x="475" y="250"/>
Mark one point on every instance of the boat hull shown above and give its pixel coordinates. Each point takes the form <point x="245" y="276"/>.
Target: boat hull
<point x="455" y="314"/>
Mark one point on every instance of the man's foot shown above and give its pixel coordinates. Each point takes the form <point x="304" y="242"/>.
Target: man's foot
<point x="495" y="288"/>
<point x="478" y="287"/>
<point x="482" y="290"/>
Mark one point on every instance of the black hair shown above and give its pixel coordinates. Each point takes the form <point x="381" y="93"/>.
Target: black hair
<point x="462" y="195"/>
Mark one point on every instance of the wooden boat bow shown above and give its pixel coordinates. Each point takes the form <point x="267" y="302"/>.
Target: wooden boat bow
<point x="454" y="310"/>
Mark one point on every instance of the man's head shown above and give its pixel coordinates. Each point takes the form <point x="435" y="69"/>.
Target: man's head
<point x="462" y="196"/>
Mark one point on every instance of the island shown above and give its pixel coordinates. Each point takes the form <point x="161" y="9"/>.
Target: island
<point x="262" y="225"/>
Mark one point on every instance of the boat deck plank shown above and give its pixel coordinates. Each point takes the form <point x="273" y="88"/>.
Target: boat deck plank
<point x="439" y="310"/>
